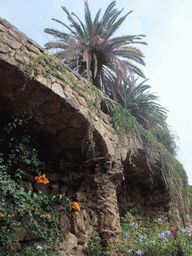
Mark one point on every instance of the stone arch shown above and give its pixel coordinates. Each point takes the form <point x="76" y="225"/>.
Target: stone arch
<point x="143" y="189"/>
<point x="74" y="135"/>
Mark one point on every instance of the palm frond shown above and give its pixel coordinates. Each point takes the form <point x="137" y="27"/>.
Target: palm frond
<point x="99" y="29"/>
<point x="54" y="45"/>
<point x="88" y="19"/>
<point x="115" y="26"/>
<point x="145" y="107"/>
<point x="138" y="38"/>
<point x="121" y="41"/>
<point x="82" y="25"/>
<point x="107" y="13"/>
<point x="95" y="22"/>
<point x="113" y="18"/>
<point x="122" y="70"/>
<point x="73" y="32"/>
<point x="125" y="40"/>
<point x="57" y="33"/>
<point x="130" y="54"/>
<point x="135" y="69"/>
<point x="74" y="23"/>
<point x="109" y="82"/>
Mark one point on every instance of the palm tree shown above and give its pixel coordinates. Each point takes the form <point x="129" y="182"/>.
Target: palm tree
<point x="144" y="106"/>
<point x="90" y="50"/>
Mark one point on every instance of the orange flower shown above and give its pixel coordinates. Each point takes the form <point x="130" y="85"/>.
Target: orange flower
<point x="67" y="237"/>
<point x="49" y="247"/>
<point x="1" y="215"/>
<point x="41" y="179"/>
<point x="76" y="206"/>
<point x="30" y="207"/>
<point x="48" y="216"/>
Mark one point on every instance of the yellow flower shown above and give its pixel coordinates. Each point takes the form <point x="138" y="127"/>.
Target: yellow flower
<point x="67" y="237"/>
<point x="48" y="216"/>
<point x="76" y="206"/>
<point x="30" y="207"/>
<point x="1" y="215"/>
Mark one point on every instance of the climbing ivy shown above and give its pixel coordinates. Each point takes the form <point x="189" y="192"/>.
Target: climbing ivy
<point x="36" y="213"/>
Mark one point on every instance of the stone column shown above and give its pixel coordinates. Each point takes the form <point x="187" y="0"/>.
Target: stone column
<point x="107" y="178"/>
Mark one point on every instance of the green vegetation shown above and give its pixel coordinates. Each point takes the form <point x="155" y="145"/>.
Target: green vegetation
<point x="147" y="238"/>
<point x="27" y="251"/>
<point x="190" y="194"/>
<point x="22" y="209"/>
<point x="156" y="237"/>
<point x="2" y="38"/>
<point x="144" y="106"/>
<point x="56" y="69"/>
<point x="90" y="50"/>
<point x="94" y="247"/>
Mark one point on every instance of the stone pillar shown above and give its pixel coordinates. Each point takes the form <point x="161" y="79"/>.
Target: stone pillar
<point x="107" y="178"/>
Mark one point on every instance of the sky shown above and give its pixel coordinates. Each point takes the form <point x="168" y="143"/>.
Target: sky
<point x="167" y="25"/>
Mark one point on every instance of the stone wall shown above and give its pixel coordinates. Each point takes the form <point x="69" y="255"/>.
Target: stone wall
<point x="72" y="121"/>
<point x="55" y="104"/>
<point x="143" y="189"/>
<point x="148" y="204"/>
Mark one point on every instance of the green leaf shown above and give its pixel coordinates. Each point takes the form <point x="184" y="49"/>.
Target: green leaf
<point x="35" y="196"/>
<point x="22" y="190"/>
